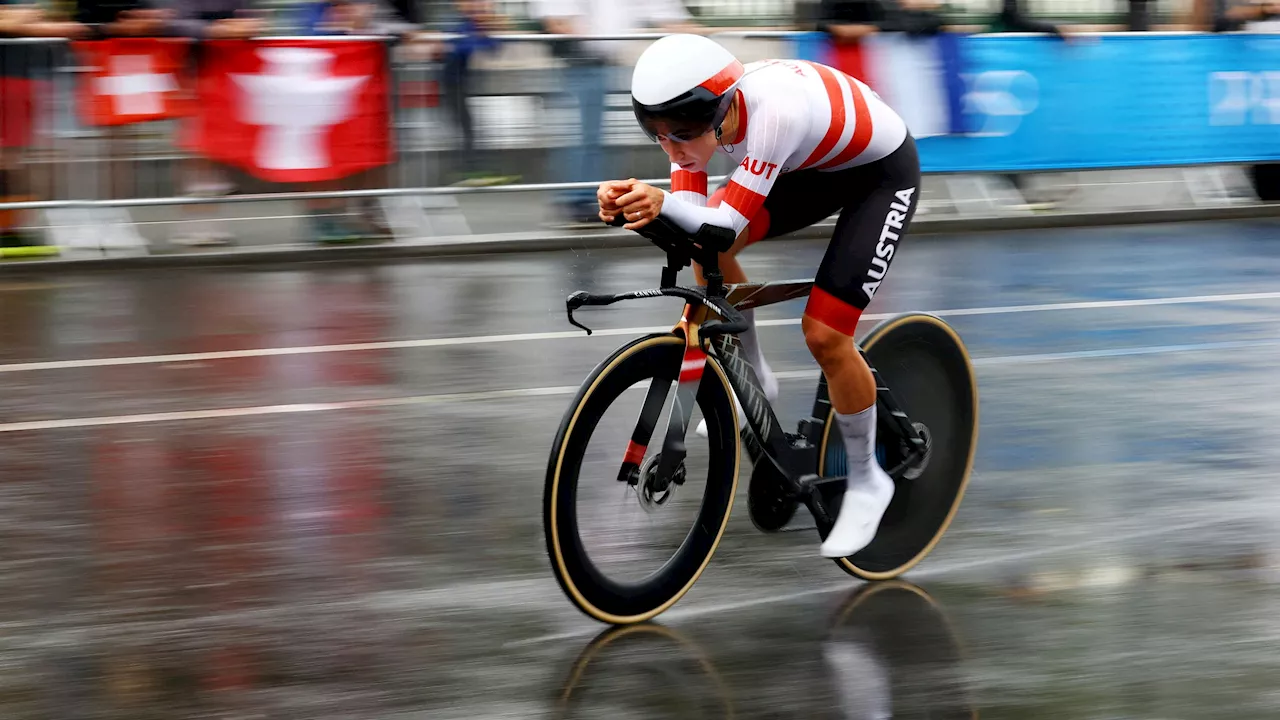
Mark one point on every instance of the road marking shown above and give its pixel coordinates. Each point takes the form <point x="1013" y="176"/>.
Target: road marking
<point x="807" y="374"/>
<point x="607" y="332"/>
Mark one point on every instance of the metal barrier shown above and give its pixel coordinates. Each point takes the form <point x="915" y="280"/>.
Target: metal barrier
<point x="75" y="167"/>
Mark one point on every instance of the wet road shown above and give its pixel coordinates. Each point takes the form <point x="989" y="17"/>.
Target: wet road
<point x="198" y="524"/>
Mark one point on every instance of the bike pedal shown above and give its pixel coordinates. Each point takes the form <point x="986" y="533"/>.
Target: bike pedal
<point x="798" y="441"/>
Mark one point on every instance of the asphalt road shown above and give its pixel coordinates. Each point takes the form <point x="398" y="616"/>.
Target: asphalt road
<point x="315" y="491"/>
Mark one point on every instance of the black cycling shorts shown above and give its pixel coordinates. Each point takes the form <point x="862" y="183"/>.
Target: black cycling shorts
<point x="876" y="203"/>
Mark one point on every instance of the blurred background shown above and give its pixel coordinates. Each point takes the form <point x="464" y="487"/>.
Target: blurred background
<point x="100" y="156"/>
<point x="283" y="351"/>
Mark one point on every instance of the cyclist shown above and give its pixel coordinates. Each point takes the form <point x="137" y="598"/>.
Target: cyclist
<point x="808" y="141"/>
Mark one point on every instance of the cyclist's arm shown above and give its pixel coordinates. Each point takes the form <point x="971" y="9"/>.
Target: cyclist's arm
<point x="773" y="139"/>
<point x="690" y="187"/>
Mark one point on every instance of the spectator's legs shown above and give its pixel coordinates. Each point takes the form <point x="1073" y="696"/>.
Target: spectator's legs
<point x="199" y="227"/>
<point x="584" y="159"/>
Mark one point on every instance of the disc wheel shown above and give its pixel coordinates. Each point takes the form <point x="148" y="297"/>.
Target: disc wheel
<point x="927" y="369"/>
<point x="621" y="602"/>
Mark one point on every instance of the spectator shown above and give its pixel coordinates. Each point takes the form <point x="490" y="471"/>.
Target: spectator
<point x="25" y="90"/>
<point x="475" y="22"/>
<point x="848" y="21"/>
<point x="590" y="65"/>
<point x="328" y="218"/>
<point x="120" y="18"/>
<point x="208" y="20"/>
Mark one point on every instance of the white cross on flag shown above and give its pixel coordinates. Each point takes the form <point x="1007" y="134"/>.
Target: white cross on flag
<point x="132" y="80"/>
<point x="294" y="110"/>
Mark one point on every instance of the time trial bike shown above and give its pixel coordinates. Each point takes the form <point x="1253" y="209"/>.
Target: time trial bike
<point x="927" y="407"/>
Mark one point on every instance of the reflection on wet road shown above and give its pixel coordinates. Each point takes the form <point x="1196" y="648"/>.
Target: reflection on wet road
<point x="199" y="524"/>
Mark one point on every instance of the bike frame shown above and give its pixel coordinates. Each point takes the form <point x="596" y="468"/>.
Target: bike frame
<point x="793" y="455"/>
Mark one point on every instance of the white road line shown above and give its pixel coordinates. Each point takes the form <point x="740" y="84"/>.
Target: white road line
<point x="929" y="571"/>
<point x="577" y="334"/>
<point x="220" y="413"/>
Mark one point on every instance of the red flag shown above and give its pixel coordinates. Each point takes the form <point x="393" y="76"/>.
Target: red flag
<point x="847" y="57"/>
<point x="294" y="110"/>
<point x="132" y="80"/>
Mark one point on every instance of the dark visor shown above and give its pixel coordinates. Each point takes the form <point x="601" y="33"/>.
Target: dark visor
<point x="683" y="118"/>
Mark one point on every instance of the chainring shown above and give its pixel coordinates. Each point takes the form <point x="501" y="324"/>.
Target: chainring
<point x="767" y="500"/>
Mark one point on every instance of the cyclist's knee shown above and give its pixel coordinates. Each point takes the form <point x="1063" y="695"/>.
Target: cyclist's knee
<point x="828" y="346"/>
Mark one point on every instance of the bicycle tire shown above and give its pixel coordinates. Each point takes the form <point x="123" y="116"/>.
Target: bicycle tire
<point x="589" y="590"/>
<point x="915" y="522"/>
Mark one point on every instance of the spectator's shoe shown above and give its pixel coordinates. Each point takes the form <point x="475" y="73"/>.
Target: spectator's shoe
<point x="327" y="230"/>
<point x="17" y="244"/>
<point x="484" y="179"/>
<point x="578" y="216"/>
<point x="370" y="213"/>
<point x="202" y="233"/>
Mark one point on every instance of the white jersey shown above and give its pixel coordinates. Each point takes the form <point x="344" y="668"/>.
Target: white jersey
<point x="797" y="115"/>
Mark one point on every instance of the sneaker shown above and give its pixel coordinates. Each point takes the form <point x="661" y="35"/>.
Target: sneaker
<point x="327" y="230"/>
<point x="864" y="503"/>
<point x="482" y="179"/>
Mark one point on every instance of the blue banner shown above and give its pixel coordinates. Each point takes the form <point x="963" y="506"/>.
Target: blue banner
<point x="1125" y="100"/>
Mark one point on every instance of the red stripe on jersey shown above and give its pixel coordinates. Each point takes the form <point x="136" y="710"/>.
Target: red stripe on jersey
<point x="742" y="119"/>
<point x="861" y="129"/>
<point x="690" y="181"/>
<point x="836" y="97"/>
<point x="694" y="362"/>
<point x="832" y="311"/>
<point x="635" y="453"/>
<point x="745" y="201"/>
<point x="723" y="80"/>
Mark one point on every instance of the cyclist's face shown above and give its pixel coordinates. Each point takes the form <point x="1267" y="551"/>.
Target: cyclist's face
<point x="692" y="155"/>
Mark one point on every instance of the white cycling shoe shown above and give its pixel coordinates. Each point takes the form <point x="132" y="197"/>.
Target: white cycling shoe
<point x="865" y="500"/>
<point x="767" y="381"/>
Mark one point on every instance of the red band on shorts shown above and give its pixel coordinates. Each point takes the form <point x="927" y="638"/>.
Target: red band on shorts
<point x="832" y="312"/>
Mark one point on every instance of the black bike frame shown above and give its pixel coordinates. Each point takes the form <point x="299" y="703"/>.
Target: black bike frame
<point x="793" y="455"/>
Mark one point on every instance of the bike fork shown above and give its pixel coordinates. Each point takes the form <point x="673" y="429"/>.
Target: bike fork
<point x="674" y="449"/>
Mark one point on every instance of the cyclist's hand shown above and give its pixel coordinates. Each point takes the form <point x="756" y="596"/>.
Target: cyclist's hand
<point x="607" y="195"/>
<point x="641" y="205"/>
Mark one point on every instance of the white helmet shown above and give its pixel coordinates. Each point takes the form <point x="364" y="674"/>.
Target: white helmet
<point x="682" y="87"/>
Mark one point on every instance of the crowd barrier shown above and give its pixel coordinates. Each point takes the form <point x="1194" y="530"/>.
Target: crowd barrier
<point x="1004" y="103"/>
<point x="1030" y="103"/>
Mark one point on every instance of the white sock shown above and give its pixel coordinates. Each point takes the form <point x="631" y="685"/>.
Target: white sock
<point x="868" y="488"/>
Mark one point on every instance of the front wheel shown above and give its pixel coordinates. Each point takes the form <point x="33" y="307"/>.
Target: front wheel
<point x="928" y="372"/>
<point x="681" y="525"/>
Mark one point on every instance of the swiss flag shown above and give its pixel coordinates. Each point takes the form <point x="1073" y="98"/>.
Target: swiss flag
<point x="132" y="80"/>
<point x="294" y="110"/>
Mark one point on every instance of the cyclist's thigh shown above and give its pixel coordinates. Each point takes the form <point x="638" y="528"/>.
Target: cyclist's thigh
<point x="866" y="239"/>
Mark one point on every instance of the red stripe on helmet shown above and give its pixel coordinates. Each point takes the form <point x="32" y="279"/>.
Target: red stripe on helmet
<point x="720" y="83"/>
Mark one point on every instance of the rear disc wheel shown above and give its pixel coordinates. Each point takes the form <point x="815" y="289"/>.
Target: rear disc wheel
<point x="927" y="369"/>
